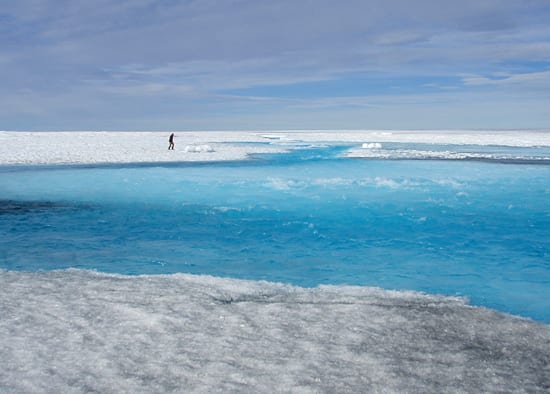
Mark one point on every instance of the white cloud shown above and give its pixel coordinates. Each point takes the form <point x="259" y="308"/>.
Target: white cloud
<point x="532" y="80"/>
<point x="147" y="89"/>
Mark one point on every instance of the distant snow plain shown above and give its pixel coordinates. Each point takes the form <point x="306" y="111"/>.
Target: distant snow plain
<point x="100" y="147"/>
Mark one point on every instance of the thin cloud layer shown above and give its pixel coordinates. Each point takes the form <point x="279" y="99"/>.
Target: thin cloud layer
<point x="154" y="64"/>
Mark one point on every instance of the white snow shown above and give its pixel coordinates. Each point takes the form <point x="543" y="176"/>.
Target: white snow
<point x="199" y="148"/>
<point x="124" y="147"/>
<point x="89" y="147"/>
<point x="372" y="145"/>
<point x="376" y="153"/>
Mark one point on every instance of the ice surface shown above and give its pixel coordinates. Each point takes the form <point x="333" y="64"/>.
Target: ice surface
<point x="199" y="148"/>
<point x="125" y="147"/>
<point x="375" y="151"/>
<point x="80" y="331"/>
<point x="372" y="145"/>
<point x="134" y="147"/>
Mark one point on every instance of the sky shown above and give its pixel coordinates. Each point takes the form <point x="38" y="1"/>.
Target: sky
<point x="274" y="64"/>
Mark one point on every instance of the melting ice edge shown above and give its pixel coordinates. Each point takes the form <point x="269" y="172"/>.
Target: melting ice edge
<point x="83" y="331"/>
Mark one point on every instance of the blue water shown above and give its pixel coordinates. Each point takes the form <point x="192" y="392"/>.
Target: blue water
<point x="307" y="217"/>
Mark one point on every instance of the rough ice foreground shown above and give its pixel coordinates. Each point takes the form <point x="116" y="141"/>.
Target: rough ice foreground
<point x="79" y="331"/>
<point x="150" y="147"/>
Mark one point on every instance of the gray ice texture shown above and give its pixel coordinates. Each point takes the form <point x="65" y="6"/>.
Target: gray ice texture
<point x="79" y="331"/>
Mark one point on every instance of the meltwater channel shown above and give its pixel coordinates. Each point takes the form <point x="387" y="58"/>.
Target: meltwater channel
<point x="307" y="217"/>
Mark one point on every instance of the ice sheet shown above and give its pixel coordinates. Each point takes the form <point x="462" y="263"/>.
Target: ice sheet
<point x="79" y="331"/>
<point x="124" y="147"/>
<point x="139" y="147"/>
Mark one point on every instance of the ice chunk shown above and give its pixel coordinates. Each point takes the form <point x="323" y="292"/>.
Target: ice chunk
<point x="199" y="148"/>
<point x="372" y="145"/>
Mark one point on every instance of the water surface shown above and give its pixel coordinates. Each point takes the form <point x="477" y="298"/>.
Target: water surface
<point x="471" y="228"/>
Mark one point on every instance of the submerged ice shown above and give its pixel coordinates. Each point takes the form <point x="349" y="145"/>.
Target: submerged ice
<point x="79" y="331"/>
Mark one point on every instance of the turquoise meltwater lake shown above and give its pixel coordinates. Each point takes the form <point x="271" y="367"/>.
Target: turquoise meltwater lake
<point x="478" y="229"/>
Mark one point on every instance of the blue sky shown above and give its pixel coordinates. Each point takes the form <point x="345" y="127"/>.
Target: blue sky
<point x="273" y="65"/>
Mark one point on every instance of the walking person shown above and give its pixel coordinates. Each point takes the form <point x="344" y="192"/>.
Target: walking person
<point x="171" y="142"/>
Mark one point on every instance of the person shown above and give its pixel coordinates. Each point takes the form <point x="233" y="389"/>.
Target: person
<point x="171" y="142"/>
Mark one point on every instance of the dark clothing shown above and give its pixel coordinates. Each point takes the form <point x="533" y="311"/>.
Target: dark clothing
<point x="171" y="142"/>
